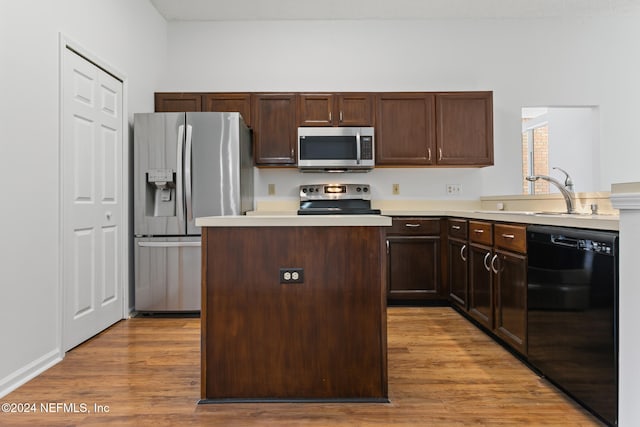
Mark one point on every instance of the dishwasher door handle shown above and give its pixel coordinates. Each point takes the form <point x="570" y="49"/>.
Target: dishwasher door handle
<point x="561" y="240"/>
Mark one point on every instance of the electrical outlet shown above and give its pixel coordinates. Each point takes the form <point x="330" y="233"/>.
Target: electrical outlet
<point x="271" y="189"/>
<point x="291" y="275"/>
<point x="453" y="189"/>
<point x="395" y="189"/>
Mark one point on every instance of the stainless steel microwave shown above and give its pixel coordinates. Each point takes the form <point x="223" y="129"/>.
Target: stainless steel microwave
<point x="342" y="149"/>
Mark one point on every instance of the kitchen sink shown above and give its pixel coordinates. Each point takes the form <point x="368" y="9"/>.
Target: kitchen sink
<point x="508" y="212"/>
<point x="541" y="213"/>
<point x="562" y="214"/>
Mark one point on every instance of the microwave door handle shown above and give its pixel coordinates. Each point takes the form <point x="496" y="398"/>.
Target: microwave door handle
<point x="358" y="156"/>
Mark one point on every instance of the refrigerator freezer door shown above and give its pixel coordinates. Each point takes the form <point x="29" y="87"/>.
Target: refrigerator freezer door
<point x="158" y="178"/>
<point x="167" y="274"/>
<point x="213" y="184"/>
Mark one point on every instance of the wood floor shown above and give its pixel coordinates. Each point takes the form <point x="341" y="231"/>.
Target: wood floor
<point x="442" y="372"/>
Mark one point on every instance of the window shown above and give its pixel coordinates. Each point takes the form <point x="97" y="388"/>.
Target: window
<point x="535" y="149"/>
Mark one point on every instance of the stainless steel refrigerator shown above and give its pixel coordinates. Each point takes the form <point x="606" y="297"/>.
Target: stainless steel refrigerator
<point x="186" y="165"/>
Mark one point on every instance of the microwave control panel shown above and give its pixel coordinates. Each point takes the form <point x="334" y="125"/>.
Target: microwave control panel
<point x="366" y="150"/>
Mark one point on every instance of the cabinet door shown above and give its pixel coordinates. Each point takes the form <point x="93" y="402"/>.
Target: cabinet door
<point x="405" y="129"/>
<point x="480" y="284"/>
<point x="274" y="128"/>
<point x="315" y="109"/>
<point x="229" y="102"/>
<point x="511" y="299"/>
<point x="413" y="264"/>
<point x="465" y="128"/>
<point x="458" y="272"/>
<point x="354" y="109"/>
<point x="169" y="102"/>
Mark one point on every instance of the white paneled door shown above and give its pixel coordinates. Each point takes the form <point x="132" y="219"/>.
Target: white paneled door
<point x="92" y="243"/>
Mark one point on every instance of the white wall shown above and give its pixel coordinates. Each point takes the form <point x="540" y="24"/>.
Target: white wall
<point x="129" y="35"/>
<point x="574" y="146"/>
<point x="536" y="62"/>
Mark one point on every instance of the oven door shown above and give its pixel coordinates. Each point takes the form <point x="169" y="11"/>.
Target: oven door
<point x="335" y="148"/>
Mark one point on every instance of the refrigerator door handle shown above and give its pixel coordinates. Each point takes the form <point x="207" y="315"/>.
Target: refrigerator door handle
<point x="179" y="186"/>
<point x="170" y="244"/>
<point x="187" y="174"/>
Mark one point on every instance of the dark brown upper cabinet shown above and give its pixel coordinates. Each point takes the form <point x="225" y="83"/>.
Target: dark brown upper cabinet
<point x="405" y="129"/>
<point x="446" y="129"/>
<point x="335" y="109"/>
<point x="240" y="102"/>
<point x="171" y="102"/>
<point x="465" y="128"/>
<point x="440" y="129"/>
<point x="274" y="129"/>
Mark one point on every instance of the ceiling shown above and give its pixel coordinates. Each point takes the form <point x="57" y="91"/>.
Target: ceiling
<point x="251" y="10"/>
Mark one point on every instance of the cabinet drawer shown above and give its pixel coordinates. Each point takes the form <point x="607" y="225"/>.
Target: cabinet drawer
<point x="511" y="237"/>
<point x="414" y="226"/>
<point x="457" y="228"/>
<point x="480" y="232"/>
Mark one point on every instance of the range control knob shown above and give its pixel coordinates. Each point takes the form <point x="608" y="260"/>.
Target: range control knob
<point x="358" y="189"/>
<point x="365" y="189"/>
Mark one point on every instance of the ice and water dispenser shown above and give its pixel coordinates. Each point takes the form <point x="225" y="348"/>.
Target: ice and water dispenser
<point x="161" y="192"/>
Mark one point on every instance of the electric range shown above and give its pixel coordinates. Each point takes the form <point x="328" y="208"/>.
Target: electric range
<point x="336" y="199"/>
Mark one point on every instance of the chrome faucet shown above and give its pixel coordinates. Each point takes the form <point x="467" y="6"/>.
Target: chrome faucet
<point x="566" y="189"/>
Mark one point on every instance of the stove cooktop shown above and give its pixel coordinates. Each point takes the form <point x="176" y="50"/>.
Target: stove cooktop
<point x="338" y="211"/>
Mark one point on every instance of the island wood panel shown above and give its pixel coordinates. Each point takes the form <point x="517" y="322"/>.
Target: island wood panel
<point x="322" y="339"/>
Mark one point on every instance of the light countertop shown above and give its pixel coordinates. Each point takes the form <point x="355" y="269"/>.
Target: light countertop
<point x="294" y="220"/>
<point x="597" y="222"/>
<point x="290" y="218"/>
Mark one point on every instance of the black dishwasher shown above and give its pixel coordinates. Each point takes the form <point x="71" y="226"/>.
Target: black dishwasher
<point x="572" y="313"/>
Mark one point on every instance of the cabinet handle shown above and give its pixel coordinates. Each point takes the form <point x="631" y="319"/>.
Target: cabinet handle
<point x="439" y="153"/>
<point x="412" y="225"/>
<point x="387" y="247"/>
<point x="478" y="230"/>
<point x="486" y="257"/>
<point x="493" y="266"/>
<point x="455" y="227"/>
<point x="429" y="153"/>
<point x="508" y="236"/>
<point x="341" y="116"/>
<point x="462" y="252"/>
<point x="292" y="153"/>
<point x="330" y="117"/>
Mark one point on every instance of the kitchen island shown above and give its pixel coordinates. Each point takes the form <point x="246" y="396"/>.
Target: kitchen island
<point x="294" y="308"/>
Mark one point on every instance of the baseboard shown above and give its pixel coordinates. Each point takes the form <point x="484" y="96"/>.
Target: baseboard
<point x="28" y="372"/>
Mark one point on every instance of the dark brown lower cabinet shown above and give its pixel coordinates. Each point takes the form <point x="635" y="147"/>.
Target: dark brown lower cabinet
<point x="481" y="284"/>
<point x="511" y="298"/>
<point x="414" y="257"/>
<point x="458" y="272"/>
<point x="458" y="262"/>
<point x="498" y="280"/>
